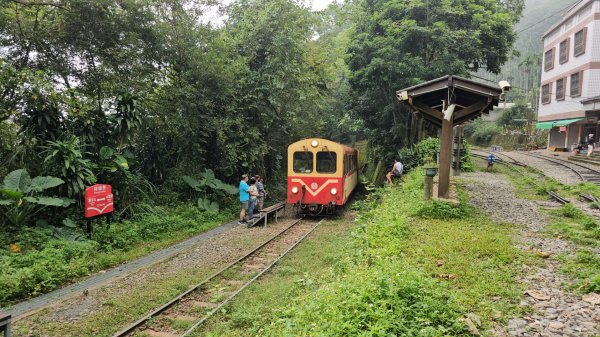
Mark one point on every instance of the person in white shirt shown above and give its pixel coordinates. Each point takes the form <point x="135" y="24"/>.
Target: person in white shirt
<point x="590" y="142"/>
<point x="395" y="172"/>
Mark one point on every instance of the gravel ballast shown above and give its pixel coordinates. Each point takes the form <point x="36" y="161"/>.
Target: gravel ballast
<point x="557" y="312"/>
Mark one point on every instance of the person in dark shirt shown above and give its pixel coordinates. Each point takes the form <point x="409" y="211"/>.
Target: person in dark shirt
<point x="260" y="186"/>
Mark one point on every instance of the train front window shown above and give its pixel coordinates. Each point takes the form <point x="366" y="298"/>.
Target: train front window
<point x="326" y="162"/>
<point x="303" y="162"/>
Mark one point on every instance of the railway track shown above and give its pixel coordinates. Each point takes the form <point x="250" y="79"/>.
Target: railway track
<point x="512" y="163"/>
<point x="584" y="173"/>
<point x="184" y="313"/>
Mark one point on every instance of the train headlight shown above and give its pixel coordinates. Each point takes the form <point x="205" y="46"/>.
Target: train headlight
<point x="334" y="191"/>
<point x="295" y="190"/>
<point x="314" y="143"/>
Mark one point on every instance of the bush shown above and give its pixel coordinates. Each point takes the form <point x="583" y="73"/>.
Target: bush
<point x="427" y="150"/>
<point x="39" y="271"/>
<point x="45" y="262"/>
<point x="481" y="132"/>
<point x="593" y="286"/>
<point x="443" y="210"/>
<point x="383" y="301"/>
<point x="570" y="211"/>
<point x="518" y="111"/>
<point x="420" y="153"/>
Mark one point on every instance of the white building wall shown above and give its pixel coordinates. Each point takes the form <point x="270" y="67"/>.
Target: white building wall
<point x="571" y="107"/>
<point x="591" y="87"/>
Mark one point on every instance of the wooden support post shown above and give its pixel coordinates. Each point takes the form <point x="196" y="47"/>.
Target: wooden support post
<point x="5" y="324"/>
<point x="446" y="142"/>
<point x="428" y="188"/>
<point x="458" y="134"/>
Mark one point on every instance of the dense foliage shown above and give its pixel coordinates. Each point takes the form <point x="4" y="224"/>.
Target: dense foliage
<point x="426" y="152"/>
<point x="44" y="257"/>
<point x="512" y="120"/>
<point x="170" y="109"/>
<point x="139" y="94"/>
<point x="397" y="43"/>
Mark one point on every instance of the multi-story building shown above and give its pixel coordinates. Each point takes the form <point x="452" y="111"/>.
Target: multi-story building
<point x="570" y="84"/>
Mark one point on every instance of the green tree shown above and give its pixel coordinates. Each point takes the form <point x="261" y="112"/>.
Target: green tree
<point x="509" y="116"/>
<point x="398" y="43"/>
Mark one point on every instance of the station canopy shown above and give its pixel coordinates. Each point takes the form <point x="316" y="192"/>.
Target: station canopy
<point x="552" y="124"/>
<point x="431" y="98"/>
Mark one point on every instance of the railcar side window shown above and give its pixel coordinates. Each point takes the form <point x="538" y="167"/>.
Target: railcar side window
<point x="326" y="162"/>
<point x="303" y="162"/>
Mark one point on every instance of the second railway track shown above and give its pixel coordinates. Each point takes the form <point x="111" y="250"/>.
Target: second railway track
<point x="512" y="163"/>
<point x="186" y="312"/>
<point x="584" y="173"/>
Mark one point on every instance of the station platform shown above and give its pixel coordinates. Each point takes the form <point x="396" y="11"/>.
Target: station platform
<point x="264" y="214"/>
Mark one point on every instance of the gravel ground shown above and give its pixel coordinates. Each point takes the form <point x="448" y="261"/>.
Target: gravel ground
<point x="210" y="255"/>
<point x="562" y="174"/>
<point x="556" y="311"/>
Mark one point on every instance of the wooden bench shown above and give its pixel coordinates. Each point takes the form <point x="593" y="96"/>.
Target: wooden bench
<point x="265" y="212"/>
<point x="5" y="324"/>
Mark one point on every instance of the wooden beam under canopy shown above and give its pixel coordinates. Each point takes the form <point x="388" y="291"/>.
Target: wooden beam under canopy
<point x="465" y="98"/>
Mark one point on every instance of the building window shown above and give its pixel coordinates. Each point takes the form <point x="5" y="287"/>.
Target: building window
<point x="580" y="42"/>
<point x="564" y="51"/>
<point x="576" y="83"/>
<point x="546" y="93"/>
<point x="549" y="60"/>
<point x="560" y="89"/>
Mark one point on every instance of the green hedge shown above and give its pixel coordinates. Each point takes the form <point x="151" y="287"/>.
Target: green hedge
<point x="47" y="262"/>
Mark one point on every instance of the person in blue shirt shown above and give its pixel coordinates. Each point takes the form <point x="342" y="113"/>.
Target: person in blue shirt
<point x="244" y="198"/>
<point x="490" y="160"/>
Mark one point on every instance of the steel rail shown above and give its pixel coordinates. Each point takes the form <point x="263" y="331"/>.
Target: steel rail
<point x="563" y="163"/>
<point x="222" y="304"/>
<point x="176" y="300"/>
<point x="512" y="165"/>
<point x="588" y="197"/>
<point x="557" y="162"/>
<point x="514" y="161"/>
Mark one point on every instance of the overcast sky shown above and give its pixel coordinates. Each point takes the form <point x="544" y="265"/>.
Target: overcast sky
<point x="211" y="15"/>
<point x="318" y="5"/>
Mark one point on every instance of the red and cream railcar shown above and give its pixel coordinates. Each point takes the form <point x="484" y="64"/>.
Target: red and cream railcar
<point x="321" y="175"/>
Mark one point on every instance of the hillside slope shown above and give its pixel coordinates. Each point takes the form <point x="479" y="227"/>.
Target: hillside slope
<point x="538" y="17"/>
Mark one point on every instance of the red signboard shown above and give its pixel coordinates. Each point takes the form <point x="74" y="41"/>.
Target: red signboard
<point x="98" y="200"/>
<point x="562" y="129"/>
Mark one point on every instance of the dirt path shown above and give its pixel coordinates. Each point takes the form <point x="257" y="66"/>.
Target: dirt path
<point x="556" y="312"/>
<point x="104" y="310"/>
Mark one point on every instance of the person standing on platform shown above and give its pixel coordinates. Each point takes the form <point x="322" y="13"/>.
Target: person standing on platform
<point x="244" y="198"/>
<point x="260" y="186"/>
<point x="253" y="195"/>
<point x="590" y="143"/>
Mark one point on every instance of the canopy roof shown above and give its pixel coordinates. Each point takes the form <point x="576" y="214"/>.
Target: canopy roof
<point x="551" y="124"/>
<point x="471" y="98"/>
